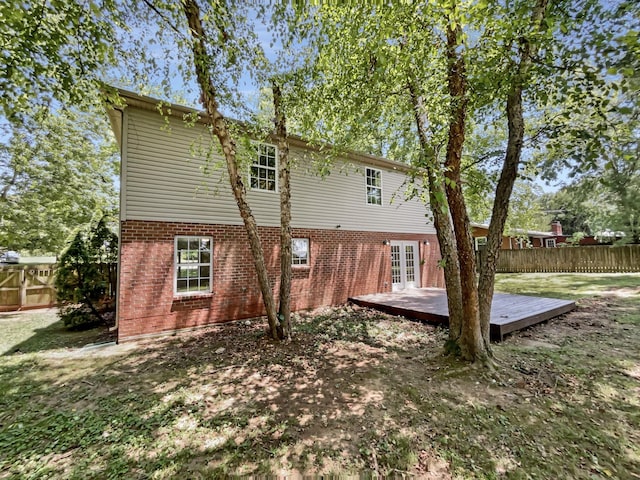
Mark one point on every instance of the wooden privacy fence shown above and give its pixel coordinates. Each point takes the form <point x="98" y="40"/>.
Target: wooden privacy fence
<point x="592" y="259"/>
<point x="32" y="286"/>
<point x="27" y="286"/>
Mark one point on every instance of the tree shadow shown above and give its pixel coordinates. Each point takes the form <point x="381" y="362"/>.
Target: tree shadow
<point x="47" y="332"/>
<point x="369" y="396"/>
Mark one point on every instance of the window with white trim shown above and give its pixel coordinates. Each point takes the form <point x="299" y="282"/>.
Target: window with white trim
<point x="374" y="186"/>
<point x="192" y="265"/>
<point x="299" y="251"/>
<point x="263" y="173"/>
<point x="480" y="242"/>
<point x="550" y="243"/>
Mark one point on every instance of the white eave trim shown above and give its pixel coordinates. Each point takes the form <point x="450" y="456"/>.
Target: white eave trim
<point x="148" y="103"/>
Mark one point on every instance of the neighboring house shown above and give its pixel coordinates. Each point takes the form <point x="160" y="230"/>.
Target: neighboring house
<point x="184" y="257"/>
<point x="529" y="238"/>
<point x="521" y="238"/>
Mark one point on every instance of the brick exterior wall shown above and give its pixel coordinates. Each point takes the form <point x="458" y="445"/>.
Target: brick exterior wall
<point x="342" y="264"/>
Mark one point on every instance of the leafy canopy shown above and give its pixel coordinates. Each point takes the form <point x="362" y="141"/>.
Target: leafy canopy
<point x="56" y="172"/>
<point x="54" y="53"/>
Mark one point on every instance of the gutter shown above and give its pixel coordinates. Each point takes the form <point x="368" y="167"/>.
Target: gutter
<point x="144" y="102"/>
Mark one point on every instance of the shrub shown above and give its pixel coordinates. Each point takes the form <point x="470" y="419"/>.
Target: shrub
<point x="83" y="277"/>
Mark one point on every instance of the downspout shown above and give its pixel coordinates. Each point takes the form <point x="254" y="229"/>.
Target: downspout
<point x="122" y="212"/>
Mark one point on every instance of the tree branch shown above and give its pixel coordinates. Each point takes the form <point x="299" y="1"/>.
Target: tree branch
<point x="163" y="17"/>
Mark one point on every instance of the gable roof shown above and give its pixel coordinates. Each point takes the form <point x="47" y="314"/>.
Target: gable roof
<point x="144" y="102"/>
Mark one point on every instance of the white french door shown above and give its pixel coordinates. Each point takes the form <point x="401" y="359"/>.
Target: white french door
<point x="405" y="265"/>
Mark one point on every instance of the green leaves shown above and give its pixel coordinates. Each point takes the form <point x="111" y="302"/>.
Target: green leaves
<point x="83" y="275"/>
<point x="56" y="171"/>
<point x="53" y="51"/>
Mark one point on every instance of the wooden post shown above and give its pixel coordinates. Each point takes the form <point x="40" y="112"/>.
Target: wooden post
<point x="23" y="288"/>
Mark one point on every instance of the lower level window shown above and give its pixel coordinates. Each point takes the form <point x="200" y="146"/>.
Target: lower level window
<point x="481" y="242"/>
<point x="300" y="251"/>
<point x="193" y="266"/>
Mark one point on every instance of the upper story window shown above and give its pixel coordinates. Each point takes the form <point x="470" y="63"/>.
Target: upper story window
<point x="299" y="251"/>
<point x="192" y="263"/>
<point x="263" y="172"/>
<point x="374" y="186"/>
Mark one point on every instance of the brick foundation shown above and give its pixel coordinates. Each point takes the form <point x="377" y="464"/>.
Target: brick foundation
<point x="342" y="264"/>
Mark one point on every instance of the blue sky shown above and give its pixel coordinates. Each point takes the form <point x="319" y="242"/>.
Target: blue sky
<point x="247" y="88"/>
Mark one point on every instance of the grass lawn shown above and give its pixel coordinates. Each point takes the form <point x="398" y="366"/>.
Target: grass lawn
<point x="39" y="330"/>
<point x="623" y="288"/>
<point x="356" y="392"/>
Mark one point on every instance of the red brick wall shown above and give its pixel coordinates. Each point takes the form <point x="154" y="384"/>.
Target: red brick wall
<point x="342" y="264"/>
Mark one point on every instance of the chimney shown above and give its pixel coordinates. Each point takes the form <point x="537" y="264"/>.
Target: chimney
<point x="556" y="228"/>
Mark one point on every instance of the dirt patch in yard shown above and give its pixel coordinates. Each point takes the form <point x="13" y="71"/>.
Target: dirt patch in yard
<point x="592" y="316"/>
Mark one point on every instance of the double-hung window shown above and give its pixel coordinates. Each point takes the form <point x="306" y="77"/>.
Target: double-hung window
<point x="550" y="242"/>
<point x="374" y="186"/>
<point x="263" y="172"/>
<point x="192" y="263"/>
<point x="300" y="251"/>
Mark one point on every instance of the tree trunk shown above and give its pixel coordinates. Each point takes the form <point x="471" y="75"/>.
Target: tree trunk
<point x="4" y="194"/>
<point x="515" y="123"/>
<point x="219" y="128"/>
<point x="284" y="176"/>
<point x="449" y="254"/>
<point x="441" y="219"/>
<point x="472" y="346"/>
<point x="501" y="208"/>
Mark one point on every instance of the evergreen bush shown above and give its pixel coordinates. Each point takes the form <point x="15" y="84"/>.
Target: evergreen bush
<point x="83" y="277"/>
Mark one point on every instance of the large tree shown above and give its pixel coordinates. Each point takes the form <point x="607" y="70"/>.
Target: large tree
<point x="406" y="82"/>
<point x="56" y="173"/>
<point x="221" y="42"/>
<point x="410" y="81"/>
<point x="56" y="169"/>
<point x="599" y="146"/>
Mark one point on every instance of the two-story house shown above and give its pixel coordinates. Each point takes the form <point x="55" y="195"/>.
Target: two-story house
<point x="184" y="256"/>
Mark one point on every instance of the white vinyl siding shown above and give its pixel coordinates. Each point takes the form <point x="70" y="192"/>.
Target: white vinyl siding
<point x="163" y="181"/>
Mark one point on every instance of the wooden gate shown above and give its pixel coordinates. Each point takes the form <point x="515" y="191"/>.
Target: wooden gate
<point x="27" y="286"/>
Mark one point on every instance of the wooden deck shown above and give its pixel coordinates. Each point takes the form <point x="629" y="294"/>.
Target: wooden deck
<point x="508" y="312"/>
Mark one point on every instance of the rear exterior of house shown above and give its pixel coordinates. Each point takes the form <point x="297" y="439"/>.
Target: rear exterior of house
<point x="184" y="257"/>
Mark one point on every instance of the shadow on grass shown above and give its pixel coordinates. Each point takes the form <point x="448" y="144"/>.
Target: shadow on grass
<point x="178" y="408"/>
<point x="35" y="331"/>
<point x="333" y="400"/>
